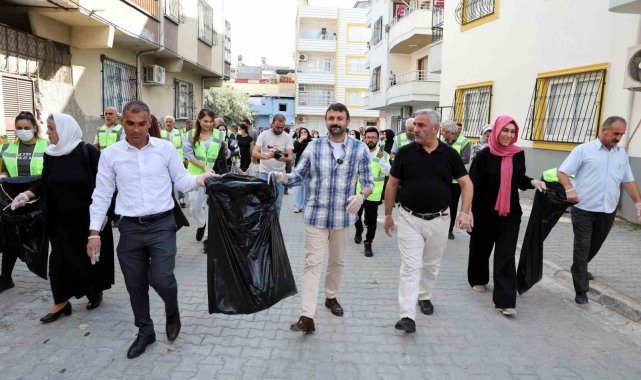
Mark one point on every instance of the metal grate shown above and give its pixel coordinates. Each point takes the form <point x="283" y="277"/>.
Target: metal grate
<point x="472" y="10"/>
<point x="566" y="108"/>
<point x="175" y="11"/>
<point x="375" y="80"/>
<point x="205" y="23"/>
<point x="184" y="92"/>
<point x="437" y="23"/>
<point x="377" y="31"/>
<point x="472" y="109"/>
<point x="118" y="84"/>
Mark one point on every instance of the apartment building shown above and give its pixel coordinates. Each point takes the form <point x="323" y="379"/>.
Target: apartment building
<point x="559" y="67"/>
<point x="331" y="46"/>
<point x="82" y="56"/>
<point x="404" y="58"/>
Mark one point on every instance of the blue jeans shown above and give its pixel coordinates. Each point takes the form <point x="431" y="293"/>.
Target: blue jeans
<point x="301" y="195"/>
<point x="281" y="190"/>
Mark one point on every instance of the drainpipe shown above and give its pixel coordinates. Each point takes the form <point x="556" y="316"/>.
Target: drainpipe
<point x="161" y="43"/>
<point x="631" y="95"/>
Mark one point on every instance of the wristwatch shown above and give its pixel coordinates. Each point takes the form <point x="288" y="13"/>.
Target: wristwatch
<point x="363" y="195"/>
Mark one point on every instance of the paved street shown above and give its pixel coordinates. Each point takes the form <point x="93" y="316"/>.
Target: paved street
<point x="466" y="338"/>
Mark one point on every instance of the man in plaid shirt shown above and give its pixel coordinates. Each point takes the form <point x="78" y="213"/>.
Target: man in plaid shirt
<point x="333" y="164"/>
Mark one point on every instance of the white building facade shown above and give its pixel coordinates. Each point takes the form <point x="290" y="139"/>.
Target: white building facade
<point x="560" y="68"/>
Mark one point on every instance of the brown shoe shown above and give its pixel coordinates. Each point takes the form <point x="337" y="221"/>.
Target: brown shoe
<point x="304" y="324"/>
<point x="333" y="306"/>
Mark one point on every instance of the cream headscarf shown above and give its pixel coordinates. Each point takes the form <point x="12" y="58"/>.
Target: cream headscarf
<point x="69" y="135"/>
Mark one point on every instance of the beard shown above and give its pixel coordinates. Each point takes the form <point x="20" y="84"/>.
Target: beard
<point x="371" y="145"/>
<point x="336" y="130"/>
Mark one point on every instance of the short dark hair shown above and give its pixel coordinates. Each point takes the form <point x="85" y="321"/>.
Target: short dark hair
<point x="246" y="120"/>
<point x="340" y="107"/>
<point x="136" y="106"/>
<point x="279" y="117"/>
<point x="244" y="127"/>
<point x="372" y="129"/>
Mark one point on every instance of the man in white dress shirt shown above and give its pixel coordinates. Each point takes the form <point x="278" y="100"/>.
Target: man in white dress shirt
<point x="144" y="169"/>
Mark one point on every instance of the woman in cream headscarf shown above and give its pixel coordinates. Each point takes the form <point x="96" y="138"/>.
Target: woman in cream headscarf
<point x="68" y="180"/>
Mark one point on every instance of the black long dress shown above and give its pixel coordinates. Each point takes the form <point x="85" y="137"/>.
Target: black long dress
<point x="67" y="184"/>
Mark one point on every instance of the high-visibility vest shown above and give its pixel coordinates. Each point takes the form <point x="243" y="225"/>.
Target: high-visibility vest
<point x="10" y="157"/>
<point x="107" y="137"/>
<point x="401" y="140"/>
<point x="178" y="140"/>
<point x="379" y="178"/>
<point x="551" y="176"/>
<point x="209" y="157"/>
<point x="458" y="146"/>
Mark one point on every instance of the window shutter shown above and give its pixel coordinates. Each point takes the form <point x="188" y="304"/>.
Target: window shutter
<point x="17" y="94"/>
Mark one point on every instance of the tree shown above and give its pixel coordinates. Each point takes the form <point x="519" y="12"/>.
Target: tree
<point x="228" y="103"/>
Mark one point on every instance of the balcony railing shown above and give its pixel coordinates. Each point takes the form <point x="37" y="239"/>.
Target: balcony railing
<point x="437" y="24"/>
<point x="413" y="76"/>
<point x="408" y="10"/>
<point x="315" y="98"/>
<point x="317" y="66"/>
<point x="149" y="6"/>
<point x="317" y="35"/>
<point x="472" y="10"/>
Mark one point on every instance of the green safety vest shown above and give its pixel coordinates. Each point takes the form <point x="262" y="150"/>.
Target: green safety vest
<point x="10" y="157"/>
<point x="551" y="176"/>
<point x="379" y="178"/>
<point x="401" y="140"/>
<point x="458" y="146"/>
<point x="107" y="138"/>
<point x="209" y="157"/>
<point x="178" y="140"/>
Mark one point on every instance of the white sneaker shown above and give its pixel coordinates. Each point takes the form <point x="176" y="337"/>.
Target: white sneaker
<point x="479" y="288"/>
<point x="509" y="311"/>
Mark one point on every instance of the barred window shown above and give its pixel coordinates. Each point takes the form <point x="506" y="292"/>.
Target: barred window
<point x="566" y="108"/>
<point x="471" y="10"/>
<point x="377" y="31"/>
<point x="184" y="106"/>
<point x="472" y="108"/>
<point x="174" y="11"/>
<point x="205" y="23"/>
<point x="375" y="81"/>
<point x="118" y="84"/>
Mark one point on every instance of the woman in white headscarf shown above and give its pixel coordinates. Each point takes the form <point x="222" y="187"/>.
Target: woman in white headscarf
<point x="482" y="143"/>
<point x="68" y="180"/>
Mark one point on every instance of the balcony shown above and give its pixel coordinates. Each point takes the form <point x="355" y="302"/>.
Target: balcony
<point x="412" y="30"/>
<point x="313" y="102"/>
<point x="413" y="88"/>
<point x="316" y="40"/>
<point x="148" y="6"/>
<point x="625" y="6"/>
<point x="317" y="71"/>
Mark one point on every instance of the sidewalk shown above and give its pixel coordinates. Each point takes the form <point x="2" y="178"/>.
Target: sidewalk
<point x="616" y="267"/>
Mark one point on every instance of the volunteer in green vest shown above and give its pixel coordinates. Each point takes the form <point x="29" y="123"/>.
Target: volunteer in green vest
<point x="174" y="136"/>
<point x="404" y="138"/>
<point x="110" y="132"/>
<point x="380" y="169"/>
<point x="202" y="147"/>
<point x="463" y="146"/>
<point x="22" y="157"/>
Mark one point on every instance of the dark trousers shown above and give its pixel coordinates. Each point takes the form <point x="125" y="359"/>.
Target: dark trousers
<point x="500" y="233"/>
<point x="8" y="263"/>
<point x="147" y="255"/>
<point x="370" y="209"/>
<point x="590" y="231"/>
<point x="455" y="190"/>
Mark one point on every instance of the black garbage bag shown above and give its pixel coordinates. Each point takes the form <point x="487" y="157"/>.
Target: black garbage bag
<point x="22" y="230"/>
<point x="547" y="209"/>
<point x="247" y="265"/>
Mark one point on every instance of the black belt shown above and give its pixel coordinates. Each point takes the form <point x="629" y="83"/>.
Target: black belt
<point x="426" y="216"/>
<point x="148" y="218"/>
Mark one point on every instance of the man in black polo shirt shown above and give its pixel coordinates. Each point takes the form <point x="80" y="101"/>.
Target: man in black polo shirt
<point x="425" y="169"/>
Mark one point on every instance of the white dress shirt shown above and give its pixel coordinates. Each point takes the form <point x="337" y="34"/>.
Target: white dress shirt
<point x="143" y="176"/>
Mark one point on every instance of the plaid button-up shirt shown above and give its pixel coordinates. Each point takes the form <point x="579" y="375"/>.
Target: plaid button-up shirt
<point x="332" y="181"/>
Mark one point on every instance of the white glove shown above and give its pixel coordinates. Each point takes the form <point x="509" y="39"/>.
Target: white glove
<point x="539" y="185"/>
<point x="278" y="177"/>
<point x="355" y="203"/>
<point x="19" y="201"/>
<point x="638" y="206"/>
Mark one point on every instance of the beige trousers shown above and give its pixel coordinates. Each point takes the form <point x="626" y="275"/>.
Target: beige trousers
<point x="316" y="241"/>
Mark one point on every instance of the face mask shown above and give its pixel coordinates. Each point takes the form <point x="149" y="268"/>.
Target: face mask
<point x="24" y="134"/>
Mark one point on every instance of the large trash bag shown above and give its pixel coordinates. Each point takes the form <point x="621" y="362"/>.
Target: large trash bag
<point x="22" y="230"/>
<point x="247" y="265"/>
<point x="547" y="209"/>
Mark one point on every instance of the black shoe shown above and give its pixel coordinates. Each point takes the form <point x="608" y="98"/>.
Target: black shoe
<point x="426" y="307"/>
<point x="581" y="298"/>
<point x="205" y="246"/>
<point x="139" y="345"/>
<point x="94" y="300"/>
<point x="303" y="324"/>
<point x="358" y="239"/>
<point x="200" y="232"/>
<point x="182" y="205"/>
<point x="173" y="326"/>
<point x="406" y="324"/>
<point x="6" y="283"/>
<point x="66" y="310"/>
<point x="333" y="306"/>
<point x="368" y="249"/>
<point x="590" y="276"/>
<point x="450" y="235"/>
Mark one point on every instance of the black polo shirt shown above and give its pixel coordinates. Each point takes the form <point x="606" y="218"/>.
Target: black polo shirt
<point x="425" y="178"/>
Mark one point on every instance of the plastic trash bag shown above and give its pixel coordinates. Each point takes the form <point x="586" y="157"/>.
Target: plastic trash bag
<point x="547" y="209"/>
<point x="22" y="230"/>
<point x="247" y="265"/>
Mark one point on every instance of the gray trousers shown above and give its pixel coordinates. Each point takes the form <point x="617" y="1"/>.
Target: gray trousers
<point x="147" y="255"/>
<point x="590" y="231"/>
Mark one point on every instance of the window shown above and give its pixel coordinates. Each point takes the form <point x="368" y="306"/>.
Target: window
<point x="472" y="10"/>
<point x="472" y="107"/>
<point x="356" y="65"/>
<point x="17" y="95"/>
<point x="174" y="11"/>
<point x="315" y="95"/>
<point x="566" y="106"/>
<point x="375" y="82"/>
<point x="282" y="107"/>
<point x="205" y="23"/>
<point x="355" y="97"/>
<point x="184" y="100"/>
<point x="377" y="31"/>
<point x="357" y="33"/>
<point x="118" y="84"/>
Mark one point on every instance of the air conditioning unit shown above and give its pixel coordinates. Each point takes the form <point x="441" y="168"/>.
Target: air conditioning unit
<point x="300" y="119"/>
<point x="302" y="57"/>
<point x="632" y="80"/>
<point x="154" y="74"/>
<point x="406" y="112"/>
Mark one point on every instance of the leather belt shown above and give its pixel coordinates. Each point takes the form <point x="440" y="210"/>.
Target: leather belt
<point x="426" y="216"/>
<point x="148" y="218"/>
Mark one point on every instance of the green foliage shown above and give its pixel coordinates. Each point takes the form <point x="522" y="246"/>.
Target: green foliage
<point x="228" y="103"/>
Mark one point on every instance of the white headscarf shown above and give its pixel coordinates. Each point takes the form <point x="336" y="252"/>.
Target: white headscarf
<point x="69" y="135"/>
